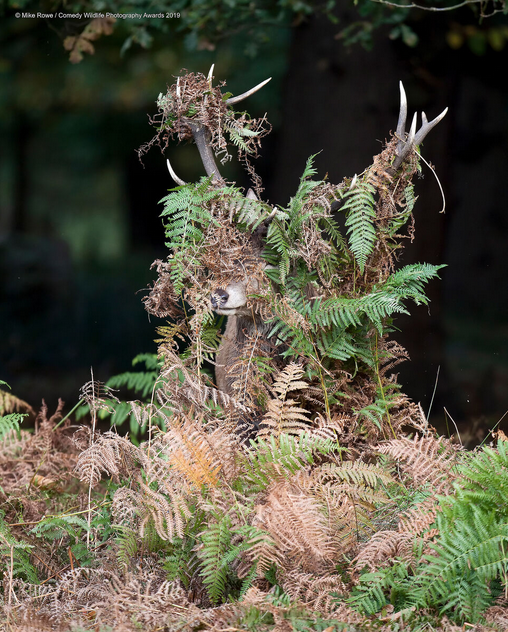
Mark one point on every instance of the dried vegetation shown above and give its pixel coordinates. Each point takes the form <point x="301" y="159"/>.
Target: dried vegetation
<point x="345" y="512"/>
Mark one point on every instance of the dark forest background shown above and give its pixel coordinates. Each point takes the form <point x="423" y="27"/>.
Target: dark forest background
<point x="79" y="213"/>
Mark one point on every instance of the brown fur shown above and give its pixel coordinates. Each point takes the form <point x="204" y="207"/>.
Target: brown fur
<point x="238" y="330"/>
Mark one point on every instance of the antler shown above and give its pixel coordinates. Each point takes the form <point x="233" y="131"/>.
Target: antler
<point x="405" y="145"/>
<point x="201" y="133"/>
<point x="244" y="95"/>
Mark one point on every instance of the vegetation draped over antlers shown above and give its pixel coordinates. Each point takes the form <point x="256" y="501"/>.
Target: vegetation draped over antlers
<point x="328" y="298"/>
<point x="333" y="515"/>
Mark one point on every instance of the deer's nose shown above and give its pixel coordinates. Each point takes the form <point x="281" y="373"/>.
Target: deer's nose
<point x="219" y="298"/>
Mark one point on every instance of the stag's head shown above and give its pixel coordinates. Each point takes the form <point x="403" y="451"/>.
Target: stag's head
<point x="232" y="299"/>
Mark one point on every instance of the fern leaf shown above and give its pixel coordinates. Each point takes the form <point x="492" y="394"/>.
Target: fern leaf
<point x="15" y="555"/>
<point x="470" y="553"/>
<point x="426" y="459"/>
<point x="295" y="520"/>
<point x="289" y="380"/>
<point x="283" y="415"/>
<point x="360" y="216"/>
<point x="409" y="281"/>
<point x="273" y="457"/>
<point x="9" y="424"/>
<point x="141" y="382"/>
<point x="214" y="571"/>
<point x="126" y="545"/>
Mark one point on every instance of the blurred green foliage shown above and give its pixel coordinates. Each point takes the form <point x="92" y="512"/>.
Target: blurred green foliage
<point x="200" y="25"/>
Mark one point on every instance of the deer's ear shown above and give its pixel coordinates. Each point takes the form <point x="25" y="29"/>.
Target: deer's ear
<point x="251" y="195"/>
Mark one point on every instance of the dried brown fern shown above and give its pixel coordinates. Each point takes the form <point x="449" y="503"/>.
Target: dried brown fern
<point x="426" y="461"/>
<point x="314" y="592"/>
<point x="297" y="524"/>
<point x="249" y="375"/>
<point x="48" y="454"/>
<point x="176" y="467"/>
<point x="419" y="519"/>
<point x="109" y="454"/>
<point x="383" y="548"/>
<point x="184" y="388"/>
<point x="283" y="414"/>
<point x="349" y="493"/>
<point x="11" y="404"/>
<point x="201" y="455"/>
<point x="100" y="597"/>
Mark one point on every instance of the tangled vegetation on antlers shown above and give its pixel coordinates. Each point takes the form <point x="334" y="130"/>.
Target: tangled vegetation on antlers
<point x="345" y="512"/>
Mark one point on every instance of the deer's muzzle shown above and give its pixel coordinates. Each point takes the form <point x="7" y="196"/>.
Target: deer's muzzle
<point x="229" y="300"/>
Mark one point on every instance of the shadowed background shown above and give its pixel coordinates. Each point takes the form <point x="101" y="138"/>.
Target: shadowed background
<point x="79" y="223"/>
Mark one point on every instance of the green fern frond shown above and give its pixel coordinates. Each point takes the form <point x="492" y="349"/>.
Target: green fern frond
<point x="180" y="262"/>
<point x="278" y="241"/>
<point x="10" y="424"/>
<point x="336" y="311"/>
<point x="251" y="213"/>
<point x="309" y="170"/>
<point x="187" y="215"/>
<point x="15" y="555"/>
<point x="55" y="527"/>
<point x="356" y="473"/>
<point x="150" y="360"/>
<point x="337" y="344"/>
<point x="375" y="412"/>
<point x="360" y="216"/>
<point x="471" y="552"/>
<point x="215" y="539"/>
<point x="409" y="282"/>
<point x="126" y="545"/>
<point x="388" y="586"/>
<point x="470" y="557"/>
<point x="141" y="382"/>
<point x="484" y="479"/>
<point x="296" y="204"/>
<point x="238" y="134"/>
<point x="410" y="197"/>
<point x="282" y="456"/>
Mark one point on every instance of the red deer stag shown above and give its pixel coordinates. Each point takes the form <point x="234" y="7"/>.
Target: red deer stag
<point x="238" y="292"/>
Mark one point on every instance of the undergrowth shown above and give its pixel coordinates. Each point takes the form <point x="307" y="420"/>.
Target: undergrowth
<point x="342" y="511"/>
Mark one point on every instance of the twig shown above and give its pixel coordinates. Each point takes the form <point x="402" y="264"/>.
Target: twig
<point x="453" y="422"/>
<point x="433" y="392"/>
<point x="435" y="176"/>
<point x="413" y="5"/>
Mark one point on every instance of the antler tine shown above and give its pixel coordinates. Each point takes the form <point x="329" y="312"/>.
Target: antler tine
<point x="210" y="74"/>
<point x="404" y="145"/>
<point x="401" y="123"/>
<point x="244" y="95"/>
<point x="178" y="180"/>
<point x="210" y="80"/>
<point x="426" y="126"/>
<point x="202" y="135"/>
<point x="412" y="131"/>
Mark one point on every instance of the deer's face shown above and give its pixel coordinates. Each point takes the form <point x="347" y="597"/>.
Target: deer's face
<point x="232" y="300"/>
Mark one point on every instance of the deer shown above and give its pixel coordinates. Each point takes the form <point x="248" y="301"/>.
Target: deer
<point x="234" y="300"/>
